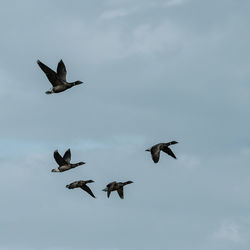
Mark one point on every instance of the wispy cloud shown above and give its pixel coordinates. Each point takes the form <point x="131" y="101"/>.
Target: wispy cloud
<point x="228" y="232"/>
<point x="112" y="14"/>
<point x="174" y="2"/>
<point x="109" y="43"/>
<point x="190" y="161"/>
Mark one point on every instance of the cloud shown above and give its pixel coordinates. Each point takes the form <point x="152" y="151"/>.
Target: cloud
<point x="228" y="232"/>
<point x="147" y="39"/>
<point x="174" y="2"/>
<point x="112" y="14"/>
<point x="190" y="161"/>
<point x="104" y="43"/>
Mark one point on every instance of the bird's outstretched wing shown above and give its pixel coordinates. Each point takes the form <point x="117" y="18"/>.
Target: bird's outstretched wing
<point x="168" y="151"/>
<point x="67" y="156"/>
<point x="61" y="71"/>
<point x="60" y="161"/>
<point x="108" y="192"/>
<point x="155" y="152"/>
<point x="51" y="74"/>
<point x="88" y="190"/>
<point x="110" y="188"/>
<point x="120" y="192"/>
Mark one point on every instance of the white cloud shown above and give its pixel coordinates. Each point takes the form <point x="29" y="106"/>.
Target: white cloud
<point x="174" y="2"/>
<point x="228" y="232"/>
<point x="146" y="39"/>
<point x="245" y="152"/>
<point x="190" y="161"/>
<point x="112" y="14"/>
<point x="105" y="43"/>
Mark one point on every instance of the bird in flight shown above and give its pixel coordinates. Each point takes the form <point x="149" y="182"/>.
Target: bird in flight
<point x="64" y="162"/>
<point x="116" y="186"/>
<point x="57" y="79"/>
<point x="156" y="149"/>
<point x="81" y="184"/>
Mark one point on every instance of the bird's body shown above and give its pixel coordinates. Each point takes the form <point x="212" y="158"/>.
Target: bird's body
<point x="81" y="184"/>
<point x="156" y="149"/>
<point x="65" y="167"/>
<point x="57" y="79"/>
<point x="116" y="186"/>
<point x="64" y="162"/>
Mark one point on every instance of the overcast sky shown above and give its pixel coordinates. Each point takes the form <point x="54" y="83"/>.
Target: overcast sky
<point x="154" y="71"/>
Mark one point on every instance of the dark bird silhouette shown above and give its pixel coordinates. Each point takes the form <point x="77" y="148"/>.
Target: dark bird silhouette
<point x="156" y="149"/>
<point x="64" y="162"/>
<point x="116" y="186"/>
<point x="81" y="184"/>
<point x="58" y="80"/>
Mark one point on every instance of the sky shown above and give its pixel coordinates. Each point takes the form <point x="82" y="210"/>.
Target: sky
<point x="153" y="71"/>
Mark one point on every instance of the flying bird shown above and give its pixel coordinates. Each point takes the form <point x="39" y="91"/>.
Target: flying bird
<point x="64" y="162"/>
<point x="156" y="149"/>
<point x="57" y="79"/>
<point x="116" y="186"/>
<point x="81" y="184"/>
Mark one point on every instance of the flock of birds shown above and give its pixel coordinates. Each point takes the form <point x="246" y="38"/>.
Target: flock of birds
<point x="59" y="84"/>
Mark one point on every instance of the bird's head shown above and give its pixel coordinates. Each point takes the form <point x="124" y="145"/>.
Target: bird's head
<point x="78" y="82"/>
<point x="148" y="150"/>
<point x="174" y="142"/>
<point x="89" y="181"/>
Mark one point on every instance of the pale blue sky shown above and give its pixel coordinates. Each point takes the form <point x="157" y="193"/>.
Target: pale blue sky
<point x="155" y="71"/>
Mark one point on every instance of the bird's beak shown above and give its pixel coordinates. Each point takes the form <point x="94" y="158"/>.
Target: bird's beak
<point x="147" y="150"/>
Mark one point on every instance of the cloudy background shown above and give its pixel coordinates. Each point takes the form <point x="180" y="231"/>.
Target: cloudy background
<point x="154" y="71"/>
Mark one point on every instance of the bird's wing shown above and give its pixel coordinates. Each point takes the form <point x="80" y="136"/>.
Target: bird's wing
<point x="88" y="190"/>
<point x="110" y="188"/>
<point x="120" y="192"/>
<point x="67" y="156"/>
<point x="155" y="152"/>
<point x="168" y="151"/>
<point x="61" y="71"/>
<point x="51" y="74"/>
<point x="60" y="161"/>
<point x="108" y="192"/>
